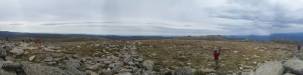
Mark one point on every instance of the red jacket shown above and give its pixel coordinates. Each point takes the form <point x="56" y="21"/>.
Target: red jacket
<point x="216" y="54"/>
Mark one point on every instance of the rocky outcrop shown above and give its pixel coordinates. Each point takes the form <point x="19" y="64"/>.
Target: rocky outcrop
<point x="294" y="65"/>
<point x="270" y="68"/>
<point x="108" y="59"/>
<point x="36" y="69"/>
<point x="4" y="72"/>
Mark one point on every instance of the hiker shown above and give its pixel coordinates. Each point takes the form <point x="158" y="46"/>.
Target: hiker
<point x="216" y="55"/>
<point x="298" y="51"/>
<point x="6" y="39"/>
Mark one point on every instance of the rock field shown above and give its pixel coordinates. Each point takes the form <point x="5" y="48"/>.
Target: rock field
<point x="147" y="57"/>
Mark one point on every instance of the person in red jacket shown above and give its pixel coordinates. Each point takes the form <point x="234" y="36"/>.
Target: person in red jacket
<point x="216" y="55"/>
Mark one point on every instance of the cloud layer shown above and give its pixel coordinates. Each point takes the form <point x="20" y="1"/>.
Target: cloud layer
<point x="152" y="17"/>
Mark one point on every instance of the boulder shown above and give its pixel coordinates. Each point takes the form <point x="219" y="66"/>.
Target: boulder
<point x="148" y="64"/>
<point x="3" y="52"/>
<point x="289" y="74"/>
<point x="17" y="51"/>
<point x="4" y="72"/>
<point x="294" y="65"/>
<point x="270" y="68"/>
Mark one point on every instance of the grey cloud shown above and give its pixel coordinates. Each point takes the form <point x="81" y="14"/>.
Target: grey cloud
<point x="174" y="17"/>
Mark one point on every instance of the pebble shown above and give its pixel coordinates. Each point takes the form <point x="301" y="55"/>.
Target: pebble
<point x="94" y="67"/>
<point x="89" y="72"/>
<point x="31" y="58"/>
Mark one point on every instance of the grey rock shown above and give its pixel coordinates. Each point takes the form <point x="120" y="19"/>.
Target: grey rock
<point x="4" y="72"/>
<point x="107" y="62"/>
<point x="72" y="67"/>
<point x="207" y="70"/>
<point x="89" y="72"/>
<point x="106" y="72"/>
<point x="73" y="71"/>
<point x="73" y="63"/>
<point x="183" y="71"/>
<point x="17" y="51"/>
<point x="294" y="65"/>
<point x="148" y="64"/>
<point x="36" y="69"/>
<point x="10" y="58"/>
<point x="270" y="68"/>
<point x="147" y="73"/>
<point x="51" y="63"/>
<point x="289" y="74"/>
<point x="3" y="52"/>
<point x="116" y="66"/>
<point x="127" y="58"/>
<point x="31" y="58"/>
<point x="124" y="73"/>
<point x="139" y="59"/>
<point x="248" y="73"/>
<point x="48" y="59"/>
<point x="94" y="67"/>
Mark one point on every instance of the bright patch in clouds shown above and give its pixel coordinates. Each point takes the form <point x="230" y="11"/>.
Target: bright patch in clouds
<point x="152" y="17"/>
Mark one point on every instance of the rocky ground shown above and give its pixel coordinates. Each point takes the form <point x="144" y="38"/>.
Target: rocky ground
<point x="140" y="57"/>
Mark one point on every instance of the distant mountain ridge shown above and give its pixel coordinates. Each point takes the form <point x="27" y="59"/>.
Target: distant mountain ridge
<point x="4" y="34"/>
<point x="288" y="36"/>
<point x="275" y="36"/>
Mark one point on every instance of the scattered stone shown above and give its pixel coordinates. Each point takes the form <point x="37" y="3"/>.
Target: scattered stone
<point x="48" y="59"/>
<point x="248" y="73"/>
<point x="106" y="72"/>
<point x="35" y="69"/>
<point x="116" y="66"/>
<point x="124" y="73"/>
<point x="107" y="62"/>
<point x="148" y="64"/>
<point x="89" y="72"/>
<point x="31" y="58"/>
<point x="51" y="63"/>
<point x="17" y="51"/>
<point x="94" y="67"/>
<point x="73" y="63"/>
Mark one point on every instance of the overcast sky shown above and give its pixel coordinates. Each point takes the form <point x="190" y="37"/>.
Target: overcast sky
<point x="152" y="17"/>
